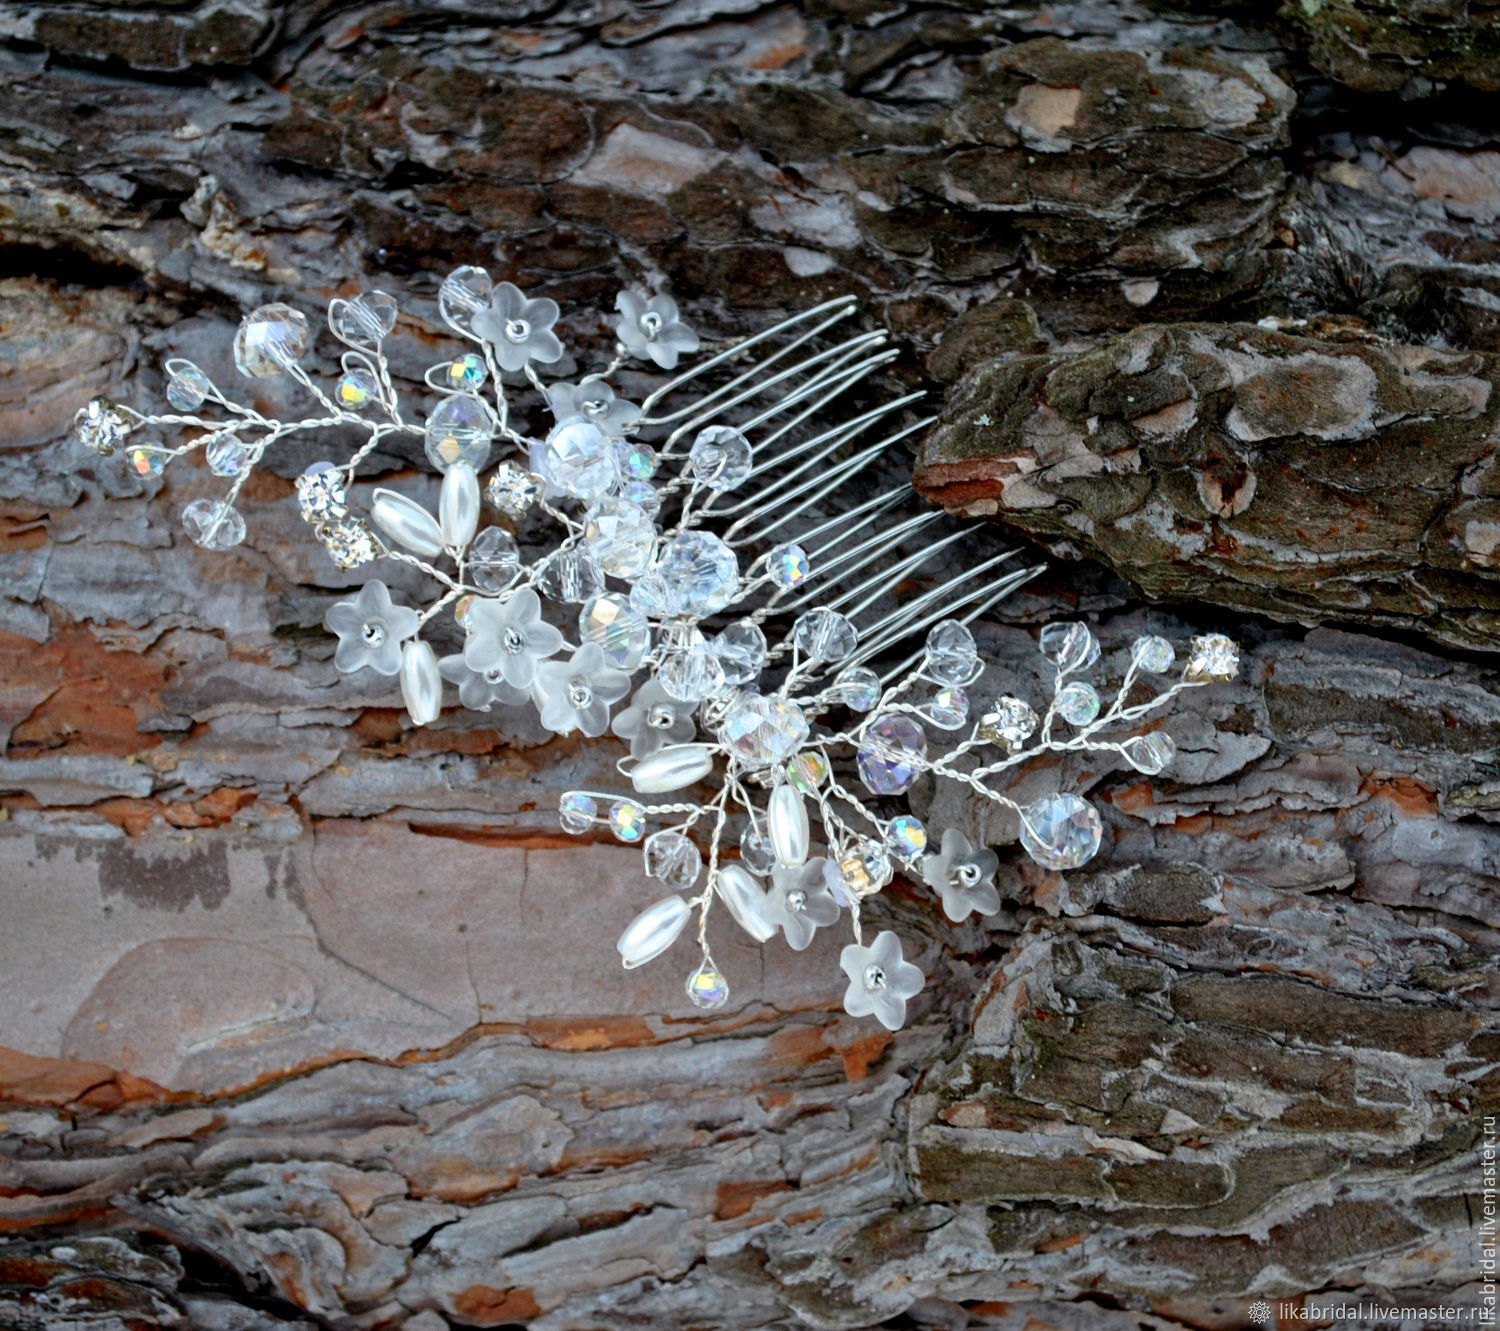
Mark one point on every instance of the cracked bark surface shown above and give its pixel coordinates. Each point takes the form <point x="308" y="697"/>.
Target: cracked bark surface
<point x="315" y="1021"/>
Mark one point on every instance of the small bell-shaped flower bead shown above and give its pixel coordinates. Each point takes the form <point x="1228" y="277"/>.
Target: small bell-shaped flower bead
<point x="576" y="694"/>
<point x="799" y="902"/>
<point x="512" y="637"/>
<point x="963" y="875"/>
<point x="880" y="980"/>
<point x="371" y="629"/>
<point x="651" y="329"/>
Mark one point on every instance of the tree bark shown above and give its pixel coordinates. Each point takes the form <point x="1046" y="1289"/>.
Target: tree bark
<point x="313" y="1020"/>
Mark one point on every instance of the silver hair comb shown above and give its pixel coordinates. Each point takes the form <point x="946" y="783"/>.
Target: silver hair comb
<point x="728" y="595"/>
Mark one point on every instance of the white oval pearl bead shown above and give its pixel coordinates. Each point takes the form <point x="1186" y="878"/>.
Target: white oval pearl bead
<point x="744" y="899"/>
<point x="672" y="768"/>
<point x="458" y="505"/>
<point x="653" y="931"/>
<point x="787" y="817"/>
<point x="421" y="684"/>
<point x="406" y="523"/>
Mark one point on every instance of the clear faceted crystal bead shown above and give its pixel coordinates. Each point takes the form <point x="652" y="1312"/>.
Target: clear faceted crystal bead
<point x="1060" y="831"/>
<point x="576" y="812"/>
<point x="100" y="427"/>
<point x="949" y="708"/>
<point x="356" y="389"/>
<point x="807" y="771"/>
<point x="187" y="387"/>
<point x="822" y="634"/>
<point x="950" y="656"/>
<point x="865" y="867"/>
<point x="858" y="688"/>
<point x="146" y="459"/>
<point x="891" y="754"/>
<point x="759" y="731"/>
<point x="1152" y="654"/>
<point x="1211" y="656"/>
<point x="1070" y="647"/>
<point x="459" y="430"/>
<point x="706" y="987"/>
<point x="906" y="836"/>
<point x="627" y="820"/>
<point x="621" y="536"/>
<point x="1010" y="724"/>
<point x="512" y="490"/>
<point x="741" y="649"/>
<point x="756" y="851"/>
<point x="493" y="558"/>
<point x="697" y="575"/>
<point x="349" y="543"/>
<point x="673" y="859"/>
<point x="320" y="493"/>
<point x="579" y="459"/>
<point x="1149" y="753"/>
<point x="213" y="524"/>
<point x="644" y="496"/>
<point x="364" y="321"/>
<point x="465" y="291"/>
<point x="692" y="673"/>
<point x="1078" y="703"/>
<point x="226" y="455"/>
<point x="466" y="374"/>
<point x="622" y="633"/>
<point x="269" y="340"/>
<point x="638" y="462"/>
<point x="571" y="575"/>
<point x="721" y="458"/>
<point x="788" y="565"/>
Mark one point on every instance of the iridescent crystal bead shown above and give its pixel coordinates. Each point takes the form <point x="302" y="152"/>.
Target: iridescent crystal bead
<point x="100" y="427"/>
<point x="1078" y="703"/>
<point x="756" y="851"/>
<point x="213" y="524"/>
<point x="579" y="459"/>
<point x="349" y="543"/>
<point x="512" y="490"/>
<point x="187" y="386"/>
<point x="643" y="495"/>
<point x="891" y="754"/>
<point x="462" y="609"/>
<point x="1152" y="654"/>
<point x="1010" y="724"/>
<point x="466" y="374"/>
<point x="949" y="708"/>
<point x="691" y="673"/>
<point x="492" y="559"/>
<point x="822" y="634"/>
<point x="356" y="388"/>
<point x="638" y="462"/>
<point x="226" y="455"/>
<point x="622" y="633"/>
<point x="571" y="575"/>
<point x="858" y="688"/>
<point x="364" y="321"/>
<point x="906" y="836"/>
<point x="146" y="460"/>
<point x="950" y="656"/>
<point x="464" y="292"/>
<point x="706" y="987"/>
<point x="1070" y="646"/>
<point x="697" y="575"/>
<point x="1149" y="753"/>
<point x="1211" y="658"/>
<point x="807" y="771"/>
<point x="621" y="536"/>
<point x="759" y="731"/>
<point x="788" y="565"/>
<point x="720" y="458"/>
<point x="1060" y="831"/>
<point x="269" y="340"/>
<point x="576" y="812"/>
<point x="459" y="430"/>
<point x="865" y="867"/>
<point x="741" y="649"/>
<point x="673" y="859"/>
<point x="320" y="493"/>
<point x="627" y="820"/>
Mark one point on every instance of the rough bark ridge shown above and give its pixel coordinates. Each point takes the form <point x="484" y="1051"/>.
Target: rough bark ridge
<point x="312" y="1020"/>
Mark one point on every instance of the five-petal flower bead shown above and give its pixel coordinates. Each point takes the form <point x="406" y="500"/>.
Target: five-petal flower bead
<point x="371" y="629"/>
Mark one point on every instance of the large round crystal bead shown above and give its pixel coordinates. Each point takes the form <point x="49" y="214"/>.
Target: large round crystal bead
<point x="269" y="340"/>
<point x="1060" y="831"/>
<point x="760" y="731"/>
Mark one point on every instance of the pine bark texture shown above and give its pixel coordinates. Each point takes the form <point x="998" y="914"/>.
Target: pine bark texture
<point x="313" y="1020"/>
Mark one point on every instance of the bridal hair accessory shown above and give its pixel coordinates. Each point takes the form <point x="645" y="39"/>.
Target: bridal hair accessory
<point x="712" y="598"/>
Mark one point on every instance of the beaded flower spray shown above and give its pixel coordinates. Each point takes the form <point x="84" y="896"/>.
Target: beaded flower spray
<point x="711" y="599"/>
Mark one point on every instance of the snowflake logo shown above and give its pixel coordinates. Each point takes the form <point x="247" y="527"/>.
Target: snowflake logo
<point x="1260" y="1311"/>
